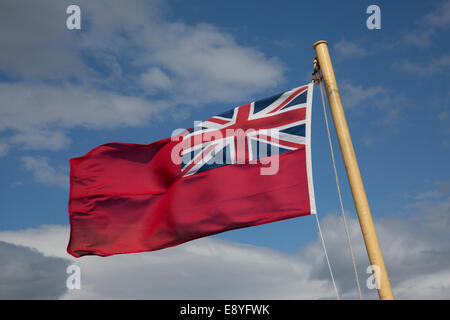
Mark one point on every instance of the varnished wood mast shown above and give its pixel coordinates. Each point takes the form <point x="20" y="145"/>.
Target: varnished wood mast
<point x="353" y="173"/>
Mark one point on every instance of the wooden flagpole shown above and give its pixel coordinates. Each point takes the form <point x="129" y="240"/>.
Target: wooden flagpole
<point x="353" y="173"/>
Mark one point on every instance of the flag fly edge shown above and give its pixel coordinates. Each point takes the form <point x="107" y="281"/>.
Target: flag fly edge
<point x="312" y="200"/>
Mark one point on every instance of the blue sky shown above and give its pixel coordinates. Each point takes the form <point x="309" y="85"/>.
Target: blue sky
<point x="138" y="70"/>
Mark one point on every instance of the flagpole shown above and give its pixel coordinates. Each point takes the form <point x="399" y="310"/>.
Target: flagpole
<point x="353" y="173"/>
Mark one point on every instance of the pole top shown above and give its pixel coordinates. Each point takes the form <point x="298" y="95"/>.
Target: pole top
<point x="319" y="42"/>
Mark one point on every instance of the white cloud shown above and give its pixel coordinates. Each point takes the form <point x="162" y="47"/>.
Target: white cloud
<point x="369" y="141"/>
<point x="388" y="103"/>
<point x="106" y="74"/>
<point x="208" y="65"/>
<point x="357" y="95"/>
<point x="436" y="65"/>
<point x="428" y="26"/>
<point x="201" y="269"/>
<point x="50" y="240"/>
<point x="415" y="247"/>
<point x="4" y="148"/>
<point x="155" y="79"/>
<point x="43" y="172"/>
<point x="27" y="274"/>
<point x="38" y="139"/>
<point x="35" y="42"/>
<point x="347" y="49"/>
<point x="16" y="184"/>
<point x="39" y="115"/>
<point x="440" y="17"/>
<point x="420" y="37"/>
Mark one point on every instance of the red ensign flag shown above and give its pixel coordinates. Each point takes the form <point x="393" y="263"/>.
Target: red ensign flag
<point x="245" y="167"/>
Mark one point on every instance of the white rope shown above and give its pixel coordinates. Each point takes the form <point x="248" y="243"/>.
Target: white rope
<point x="339" y="193"/>
<point x="326" y="257"/>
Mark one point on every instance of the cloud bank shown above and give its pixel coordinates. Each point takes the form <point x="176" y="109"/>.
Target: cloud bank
<point x="127" y="66"/>
<point x="416" y="252"/>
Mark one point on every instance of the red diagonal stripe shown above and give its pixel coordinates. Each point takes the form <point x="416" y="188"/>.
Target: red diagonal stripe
<point x="281" y="142"/>
<point x="217" y="120"/>
<point x="290" y="98"/>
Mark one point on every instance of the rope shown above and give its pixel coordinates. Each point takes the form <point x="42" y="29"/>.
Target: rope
<point x="320" y="229"/>
<point x="339" y="192"/>
<point x="326" y="257"/>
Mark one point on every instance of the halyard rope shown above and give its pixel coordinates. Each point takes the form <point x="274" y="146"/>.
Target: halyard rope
<point x="326" y="257"/>
<point x="318" y="79"/>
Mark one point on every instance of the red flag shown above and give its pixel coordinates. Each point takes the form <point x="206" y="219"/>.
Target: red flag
<point x="245" y="167"/>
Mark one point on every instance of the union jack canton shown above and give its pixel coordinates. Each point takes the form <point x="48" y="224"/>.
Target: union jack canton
<point x="249" y="133"/>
